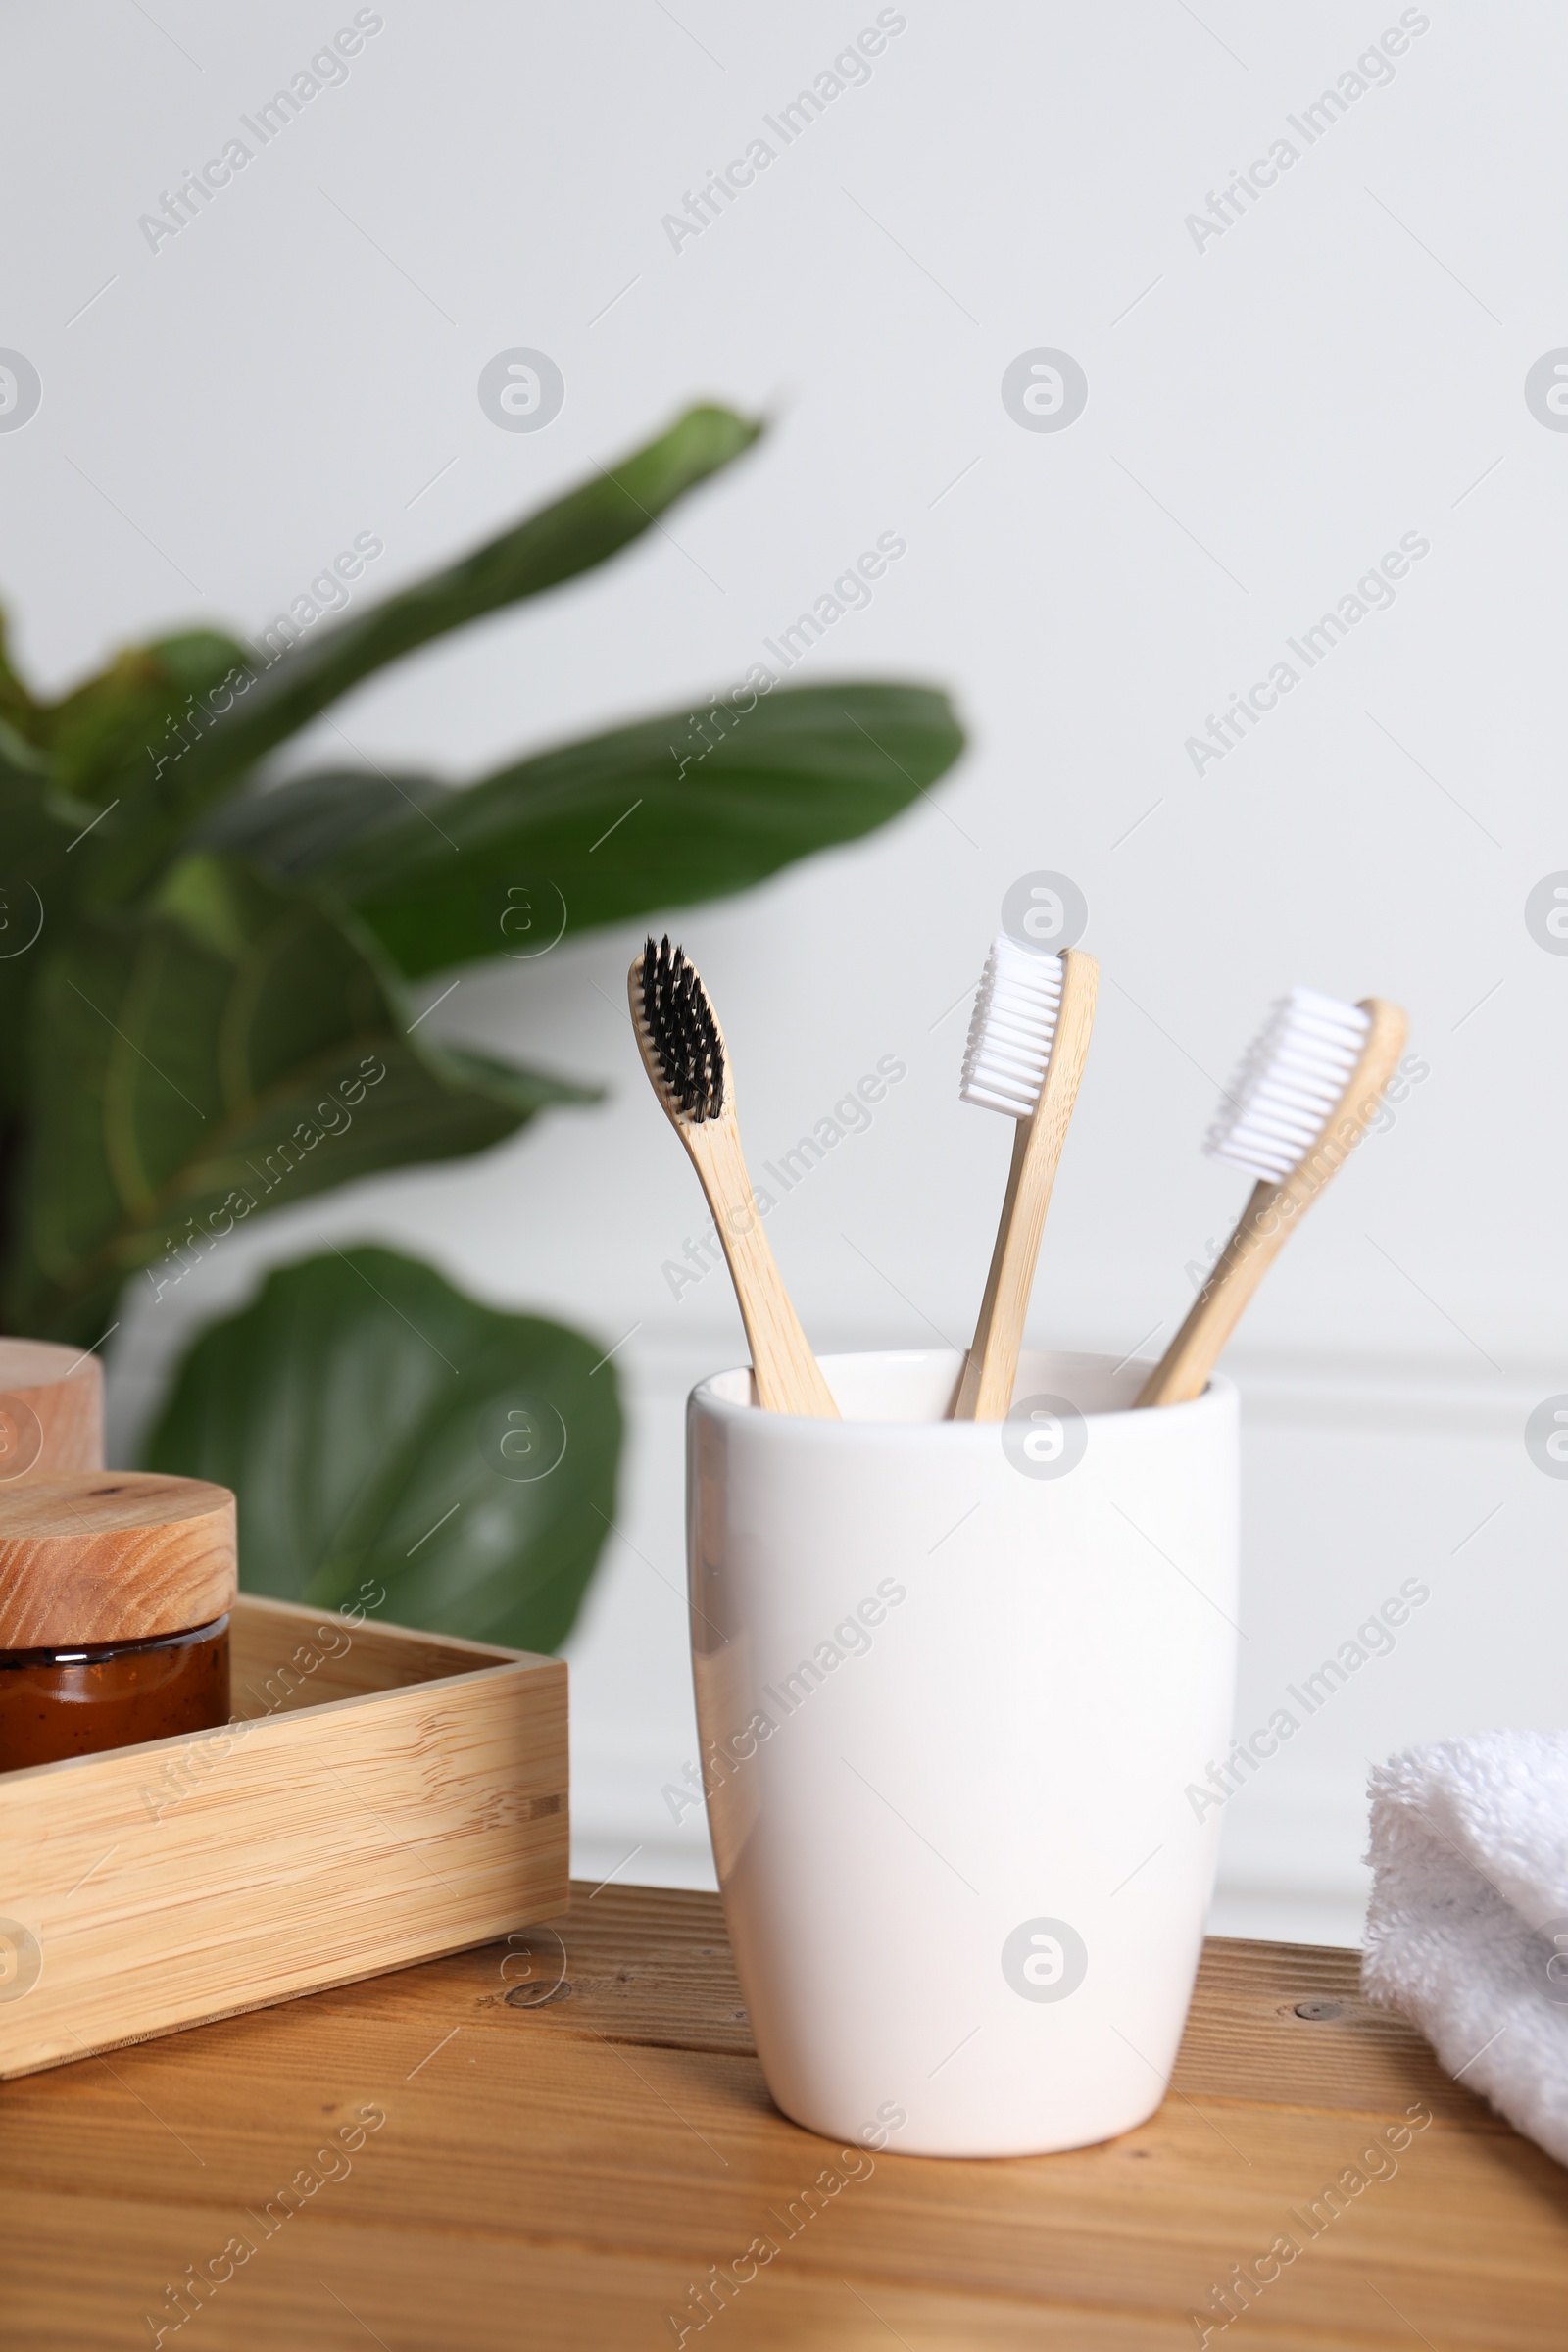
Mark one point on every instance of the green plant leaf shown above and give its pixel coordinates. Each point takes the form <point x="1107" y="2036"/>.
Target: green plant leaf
<point x="56" y="768"/>
<point x="380" y="1427"/>
<point x="36" y="893"/>
<point x="297" y="830"/>
<point x="601" y="830"/>
<point x="19" y="714"/>
<point x="231" y="1049"/>
<point x="570" y="536"/>
<point x="119" y="732"/>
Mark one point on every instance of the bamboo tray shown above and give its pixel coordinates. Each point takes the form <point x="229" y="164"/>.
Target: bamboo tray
<point x="380" y="1803"/>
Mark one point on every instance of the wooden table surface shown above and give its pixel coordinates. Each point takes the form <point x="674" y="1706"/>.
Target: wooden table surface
<point x="575" y="2132"/>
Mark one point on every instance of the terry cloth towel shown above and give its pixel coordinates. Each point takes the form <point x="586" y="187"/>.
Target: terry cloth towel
<point x="1467" y="1931"/>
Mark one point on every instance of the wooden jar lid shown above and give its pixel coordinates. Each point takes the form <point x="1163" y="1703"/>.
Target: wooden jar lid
<point x="112" y="1555"/>
<point x="51" y="1411"/>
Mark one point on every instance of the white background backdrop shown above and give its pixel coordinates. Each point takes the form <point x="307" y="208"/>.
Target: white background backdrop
<point x="1266" y="415"/>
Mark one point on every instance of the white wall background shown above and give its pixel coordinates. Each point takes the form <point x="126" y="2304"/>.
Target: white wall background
<point x="1266" y="417"/>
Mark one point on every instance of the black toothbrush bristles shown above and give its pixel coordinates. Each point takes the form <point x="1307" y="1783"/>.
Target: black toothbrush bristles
<point x="683" y="1032"/>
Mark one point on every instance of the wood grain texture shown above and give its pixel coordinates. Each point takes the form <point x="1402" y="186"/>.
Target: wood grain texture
<point x="331" y="1834"/>
<point x="985" y="1392"/>
<point x="576" y="2137"/>
<point x="1271" y="1215"/>
<point x="51" y="1411"/>
<point x="114" y="1555"/>
<point x="788" y="1377"/>
<point x="352" y="1655"/>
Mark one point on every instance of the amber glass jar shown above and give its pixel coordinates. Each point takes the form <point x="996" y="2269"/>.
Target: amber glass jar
<point x="114" y="1592"/>
<point x="72" y="1703"/>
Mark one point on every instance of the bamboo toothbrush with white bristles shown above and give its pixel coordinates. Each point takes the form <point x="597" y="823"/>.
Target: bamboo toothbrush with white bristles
<point x="683" y="1052"/>
<point x="1027" y="1042"/>
<point x="1301" y="1101"/>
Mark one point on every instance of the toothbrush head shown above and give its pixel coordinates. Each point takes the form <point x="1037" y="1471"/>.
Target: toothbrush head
<point x="1291" y="1078"/>
<point x="679" y="1034"/>
<point x="1016" y="1008"/>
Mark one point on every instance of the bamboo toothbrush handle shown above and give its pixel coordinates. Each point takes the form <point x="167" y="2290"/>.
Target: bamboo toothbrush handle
<point x="966" y="1408"/>
<point x="1271" y="1215"/>
<point x="789" y="1379"/>
<point x="1261" y="1232"/>
<point x="985" y="1392"/>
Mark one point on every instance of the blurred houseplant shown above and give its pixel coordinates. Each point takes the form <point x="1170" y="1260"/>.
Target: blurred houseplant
<point x="203" y="1015"/>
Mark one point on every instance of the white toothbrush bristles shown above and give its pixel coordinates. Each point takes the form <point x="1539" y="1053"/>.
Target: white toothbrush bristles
<point x="1291" y="1077"/>
<point x="1015" y="1013"/>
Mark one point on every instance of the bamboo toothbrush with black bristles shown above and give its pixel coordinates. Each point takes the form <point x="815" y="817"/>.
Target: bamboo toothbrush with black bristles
<point x="683" y="1052"/>
<point x="1301" y="1101"/>
<point x="1028" y="1040"/>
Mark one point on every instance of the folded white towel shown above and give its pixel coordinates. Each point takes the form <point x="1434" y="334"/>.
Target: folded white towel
<point x="1467" y="1931"/>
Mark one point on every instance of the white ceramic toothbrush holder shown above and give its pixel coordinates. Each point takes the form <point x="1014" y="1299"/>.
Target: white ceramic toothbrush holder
<point x="955" y="1682"/>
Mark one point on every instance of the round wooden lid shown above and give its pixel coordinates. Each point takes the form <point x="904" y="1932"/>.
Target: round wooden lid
<point x="112" y="1555"/>
<point x="51" y="1411"/>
